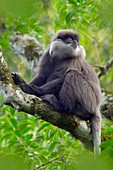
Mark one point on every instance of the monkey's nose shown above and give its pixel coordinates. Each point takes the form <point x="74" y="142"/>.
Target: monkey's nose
<point x="74" y="45"/>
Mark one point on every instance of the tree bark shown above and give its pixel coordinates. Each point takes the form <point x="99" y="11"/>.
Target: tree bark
<point x="27" y="48"/>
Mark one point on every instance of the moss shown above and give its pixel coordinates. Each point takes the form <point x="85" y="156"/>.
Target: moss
<point x="5" y="75"/>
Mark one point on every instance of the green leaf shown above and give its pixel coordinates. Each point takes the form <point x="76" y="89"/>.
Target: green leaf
<point x="43" y="158"/>
<point x="4" y="126"/>
<point x="12" y="111"/>
<point x="72" y="2"/>
<point x="14" y="123"/>
<point x="54" y="154"/>
<point x="17" y="133"/>
<point x="6" y="136"/>
<point x="28" y="137"/>
<point x="53" y="145"/>
<point x="27" y="129"/>
<point x="34" y="145"/>
<point x="40" y="137"/>
<point x="107" y="144"/>
<point x="43" y="126"/>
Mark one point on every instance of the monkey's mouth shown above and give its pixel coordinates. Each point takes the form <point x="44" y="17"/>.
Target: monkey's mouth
<point x="74" y="45"/>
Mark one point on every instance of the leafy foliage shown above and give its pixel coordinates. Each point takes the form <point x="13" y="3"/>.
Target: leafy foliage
<point x="35" y="142"/>
<point x="26" y="142"/>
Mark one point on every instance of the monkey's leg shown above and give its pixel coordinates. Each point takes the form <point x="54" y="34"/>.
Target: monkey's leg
<point x="96" y="131"/>
<point x="53" y="101"/>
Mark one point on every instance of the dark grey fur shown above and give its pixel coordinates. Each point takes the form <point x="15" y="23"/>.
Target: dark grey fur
<point x="67" y="82"/>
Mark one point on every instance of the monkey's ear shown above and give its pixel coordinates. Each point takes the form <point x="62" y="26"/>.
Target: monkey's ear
<point x="53" y="46"/>
<point x="51" y="49"/>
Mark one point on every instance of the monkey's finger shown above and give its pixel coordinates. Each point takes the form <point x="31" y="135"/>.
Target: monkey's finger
<point x="17" y="79"/>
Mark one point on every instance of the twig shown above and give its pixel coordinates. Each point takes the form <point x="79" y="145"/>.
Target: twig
<point x="104" y="69"/>
<point x="51" y="161"/>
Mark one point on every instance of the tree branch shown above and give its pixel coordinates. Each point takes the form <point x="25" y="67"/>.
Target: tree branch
<point x="27" y="48"/>
<point x="104" y="69"/>
<point x="107" y="107"/>
<point x="34" y="106"/>
<point x="51" y="161"/>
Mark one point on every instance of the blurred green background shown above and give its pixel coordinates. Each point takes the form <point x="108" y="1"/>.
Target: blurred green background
<point x="27" y="142"/>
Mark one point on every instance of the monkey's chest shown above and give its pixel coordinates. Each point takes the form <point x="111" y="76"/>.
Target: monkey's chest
<point x="55" y="75"/>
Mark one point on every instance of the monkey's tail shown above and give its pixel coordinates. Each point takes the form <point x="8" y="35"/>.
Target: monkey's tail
<point x="96" y="132"/>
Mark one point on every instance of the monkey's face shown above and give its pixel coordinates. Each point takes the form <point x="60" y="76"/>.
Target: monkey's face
<point x="65" y="45"/>
<point x="68" y="37"/>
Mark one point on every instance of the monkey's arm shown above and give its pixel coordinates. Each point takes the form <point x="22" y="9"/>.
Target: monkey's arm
<point x="44" y="70"/>
<point x="52" y="87"/>
<point x="38" y="80"/>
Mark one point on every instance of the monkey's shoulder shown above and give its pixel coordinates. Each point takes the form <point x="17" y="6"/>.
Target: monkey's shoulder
<point x="88" y="71"/>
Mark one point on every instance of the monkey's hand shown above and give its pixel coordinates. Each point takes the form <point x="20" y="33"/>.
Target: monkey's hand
<point x="23" y="85"/>
<point x="17" y="79"/>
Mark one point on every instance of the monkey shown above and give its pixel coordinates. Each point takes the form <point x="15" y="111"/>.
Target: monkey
<point x="67" y="82"/>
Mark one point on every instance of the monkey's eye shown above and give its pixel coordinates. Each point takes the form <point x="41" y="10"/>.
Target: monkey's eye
<point x="68" y="40"/>
<point x="59" y="37"/>
<point x="75" y="42"/>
